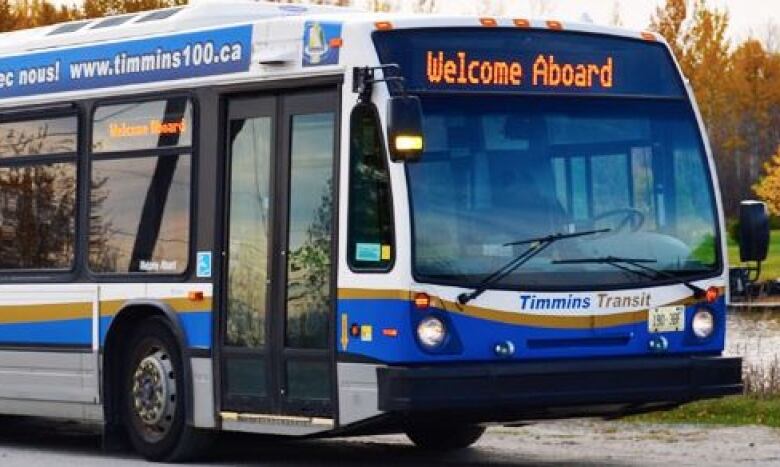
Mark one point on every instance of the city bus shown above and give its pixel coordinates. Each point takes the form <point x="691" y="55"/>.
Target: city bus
<point x="309" y="221"/>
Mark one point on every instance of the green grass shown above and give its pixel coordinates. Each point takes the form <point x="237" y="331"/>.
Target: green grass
<point x="734" y="411"/>
<point x="770" y="269"/>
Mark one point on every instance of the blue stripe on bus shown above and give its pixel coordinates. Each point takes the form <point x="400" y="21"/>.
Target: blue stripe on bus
<point x="67" y="332"/>
<point x="196" y="325"/>
<point x="474" y="339"/>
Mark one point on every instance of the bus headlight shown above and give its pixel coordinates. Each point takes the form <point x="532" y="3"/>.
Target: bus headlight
<point x="431" y="332"/>
<point x="703" y="323"/>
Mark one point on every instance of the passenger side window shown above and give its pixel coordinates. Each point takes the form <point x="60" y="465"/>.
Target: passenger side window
<point x="38" y="193"/>
<point x="371" y="242"/>
<point x="140" y="187"/>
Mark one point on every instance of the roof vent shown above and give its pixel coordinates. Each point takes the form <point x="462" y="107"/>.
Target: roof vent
<point x="69" y="27"/>
<point x="159" y="15"/>
<point x="113" y="21"/>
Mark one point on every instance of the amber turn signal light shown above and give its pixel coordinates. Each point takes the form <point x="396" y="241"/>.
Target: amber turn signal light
<point x="712" y="295"/>
<point x="195" y="296"/>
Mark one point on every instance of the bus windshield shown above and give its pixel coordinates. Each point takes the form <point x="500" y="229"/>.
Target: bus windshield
<point x="498" y="169"/>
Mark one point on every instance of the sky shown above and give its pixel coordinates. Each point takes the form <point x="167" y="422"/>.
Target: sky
<point x="748" y="17"/>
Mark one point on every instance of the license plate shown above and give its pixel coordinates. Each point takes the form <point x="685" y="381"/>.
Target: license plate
<point x="667" y="319"/>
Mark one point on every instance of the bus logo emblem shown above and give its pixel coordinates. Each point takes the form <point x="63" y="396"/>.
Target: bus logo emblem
<point x="320" y="43"/>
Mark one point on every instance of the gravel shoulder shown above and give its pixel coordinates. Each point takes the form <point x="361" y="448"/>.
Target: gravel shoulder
<point x="32" y="443"/>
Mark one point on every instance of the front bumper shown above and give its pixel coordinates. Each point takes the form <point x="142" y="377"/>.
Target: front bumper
<point x="556" y="389"/>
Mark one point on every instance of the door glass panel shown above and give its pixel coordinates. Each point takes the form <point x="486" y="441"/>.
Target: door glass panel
<point x="308" y="268"/>
<point x="246" y="376"/>
<point x="308" y="380"/>
<point x="249" y="228"/>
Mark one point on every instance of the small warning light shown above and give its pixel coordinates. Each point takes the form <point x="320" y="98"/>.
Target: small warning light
<point x="383" y="25"/>
<point x="556" y="25"/>
<point x="522" y="23"/>
<point x="422" y="301"/>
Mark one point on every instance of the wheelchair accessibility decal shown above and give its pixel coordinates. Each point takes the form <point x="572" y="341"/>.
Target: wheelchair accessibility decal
<point x="204" y="264"/>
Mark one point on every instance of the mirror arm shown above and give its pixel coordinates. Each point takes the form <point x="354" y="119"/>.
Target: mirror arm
<point x="363" y="80"/>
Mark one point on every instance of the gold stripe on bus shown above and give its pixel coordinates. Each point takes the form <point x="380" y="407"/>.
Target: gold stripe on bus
<point x="374" y="294"/>
<point x="41" y="312"/>
<point x="524" y="319"/>
<point x="548" y="321"/>
<point x="110" y="308"/>
<point x="11" y="314"/>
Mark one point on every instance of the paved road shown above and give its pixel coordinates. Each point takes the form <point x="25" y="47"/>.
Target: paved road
<point x="570" y="443"/>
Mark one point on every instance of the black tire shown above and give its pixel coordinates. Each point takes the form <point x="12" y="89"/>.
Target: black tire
<point x="444" y="437"/>
<point x="157" y="431"/>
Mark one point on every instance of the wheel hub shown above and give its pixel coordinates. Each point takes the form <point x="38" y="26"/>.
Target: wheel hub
<point x="154" y="391"/>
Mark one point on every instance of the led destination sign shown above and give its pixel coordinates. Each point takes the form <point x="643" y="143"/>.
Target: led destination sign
<point x="545" y="71"/>
<point x="529" y="61"/>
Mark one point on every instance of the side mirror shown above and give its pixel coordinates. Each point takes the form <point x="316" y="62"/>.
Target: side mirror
<point x="753" y="231"/>
<point x="404" y="128"/>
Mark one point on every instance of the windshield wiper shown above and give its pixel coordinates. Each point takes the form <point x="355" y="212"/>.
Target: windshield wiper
<point x="538" y="245"/>
<point x="641" y="265"/>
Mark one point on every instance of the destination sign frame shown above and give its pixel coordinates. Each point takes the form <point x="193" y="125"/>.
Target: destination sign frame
<point x="529" y="61"/>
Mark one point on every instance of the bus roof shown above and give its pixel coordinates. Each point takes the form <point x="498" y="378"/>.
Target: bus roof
<point x="211" y="13"/>
<point x="202" y="14"/>
<point x="211" y="42"/>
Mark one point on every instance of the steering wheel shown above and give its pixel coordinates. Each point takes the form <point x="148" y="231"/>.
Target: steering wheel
<point x="631" y="217"/>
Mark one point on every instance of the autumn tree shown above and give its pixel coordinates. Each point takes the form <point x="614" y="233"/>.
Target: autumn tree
<point x="707" y="54"/>
<point x="768" y="188"/>
<point x="668" y="21"/>
<point x="8" y="19"/>
<point x="24" y="14"/>
<point x="754" y="103"/>
<point x="100" y="8"/>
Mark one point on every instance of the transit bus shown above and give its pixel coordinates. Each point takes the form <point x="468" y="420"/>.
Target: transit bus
<point x="311" y="221"/>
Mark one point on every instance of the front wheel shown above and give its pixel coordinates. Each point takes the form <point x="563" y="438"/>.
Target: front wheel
<point x="444" y="437"/>
<point x="153" y="385"/>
